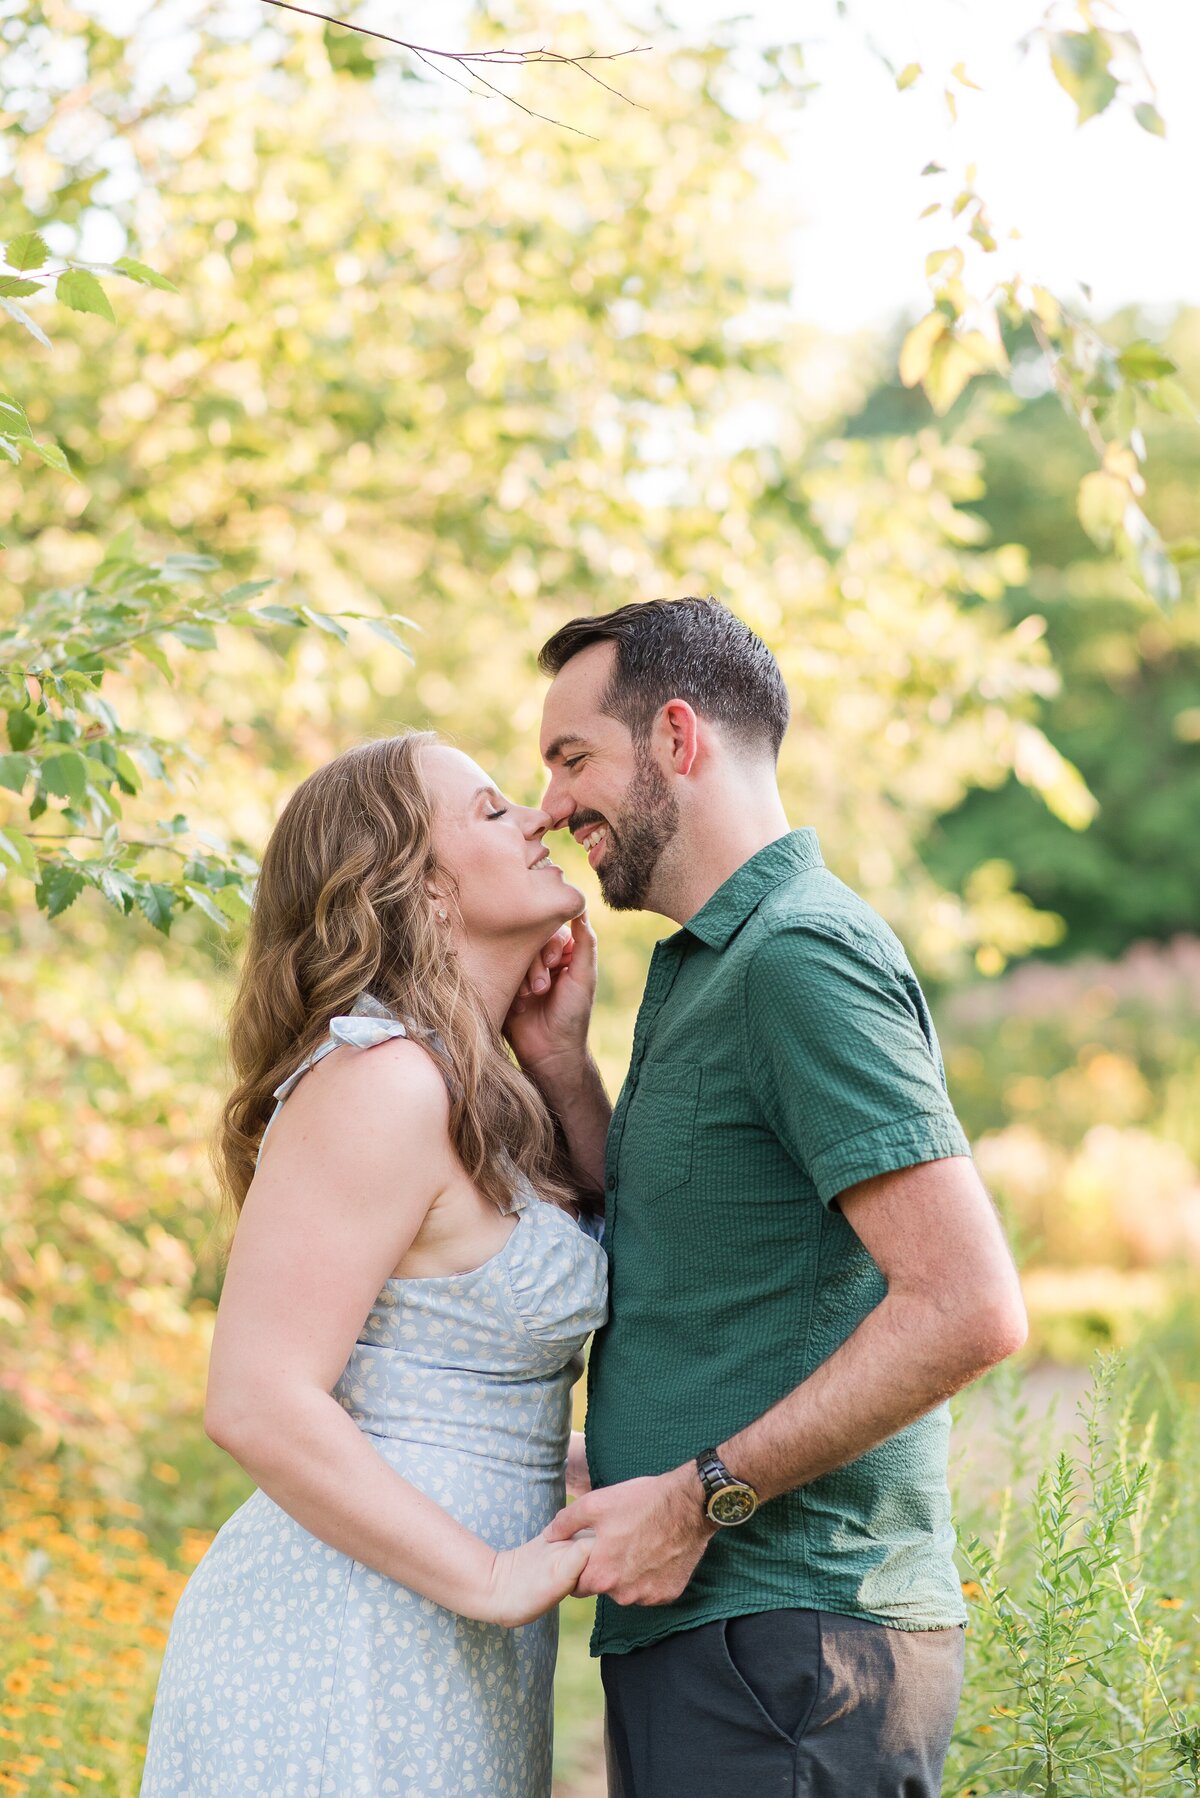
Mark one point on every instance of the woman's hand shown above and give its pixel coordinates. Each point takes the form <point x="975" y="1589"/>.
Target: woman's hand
<point x="527" y="1582"/>
<point x="579" y="1479"/>
<point x="547" y="1024"/>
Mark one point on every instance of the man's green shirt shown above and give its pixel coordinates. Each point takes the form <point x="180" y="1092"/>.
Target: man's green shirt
<point x="783" y="1051"/>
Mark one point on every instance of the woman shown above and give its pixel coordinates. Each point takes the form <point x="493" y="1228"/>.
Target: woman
<point x="406" y="1297"/>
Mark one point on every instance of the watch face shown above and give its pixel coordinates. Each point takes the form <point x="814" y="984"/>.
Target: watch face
<point x="732" y="1504"/>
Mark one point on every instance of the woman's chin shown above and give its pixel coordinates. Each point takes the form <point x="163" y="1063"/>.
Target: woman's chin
<point x="572" y="902"/>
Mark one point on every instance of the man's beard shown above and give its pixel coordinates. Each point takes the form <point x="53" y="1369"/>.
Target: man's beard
<point x="649" y="820"/>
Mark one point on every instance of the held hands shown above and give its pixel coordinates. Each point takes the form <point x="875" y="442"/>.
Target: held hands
<point x="547" y="1024"/>
<point x="526" y="1582"/>
<point x="649" y="1535"/>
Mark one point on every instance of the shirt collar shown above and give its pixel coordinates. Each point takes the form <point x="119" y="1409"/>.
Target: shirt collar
<point x="723" y="915"/>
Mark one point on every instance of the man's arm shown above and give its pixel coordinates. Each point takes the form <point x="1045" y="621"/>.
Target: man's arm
<point x="548" y="1029"/>
<point x="953" y="1308"/>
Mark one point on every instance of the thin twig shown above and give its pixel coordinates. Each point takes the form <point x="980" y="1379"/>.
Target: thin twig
<point x="468" y="61"/>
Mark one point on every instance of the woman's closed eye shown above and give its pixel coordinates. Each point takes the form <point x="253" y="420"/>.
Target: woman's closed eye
<point x="500" y="813"/>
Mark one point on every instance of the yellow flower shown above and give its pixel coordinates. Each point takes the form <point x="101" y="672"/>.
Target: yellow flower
<point x="18" y="1682"/>
<point x="89" y="1773"/>
<point x="40" y="1642"/>
<point x="64" y="1785"/>
<point x="1171" y="1604"/>
<point x="162" y="1470"/>
<point x="972" y="1589"/>
<point x="50" y="1741"/>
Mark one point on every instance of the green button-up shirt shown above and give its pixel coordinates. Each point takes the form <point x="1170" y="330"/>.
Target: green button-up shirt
<point x="783" y="1051"/>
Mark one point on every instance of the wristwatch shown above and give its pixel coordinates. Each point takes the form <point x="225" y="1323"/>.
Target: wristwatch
<point x="727" y="1501"/>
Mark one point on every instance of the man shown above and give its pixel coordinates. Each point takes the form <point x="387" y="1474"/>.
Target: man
<point x="804" y="1263"/>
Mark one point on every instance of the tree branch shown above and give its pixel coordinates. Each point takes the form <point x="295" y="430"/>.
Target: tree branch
<point x="469" y="61"/>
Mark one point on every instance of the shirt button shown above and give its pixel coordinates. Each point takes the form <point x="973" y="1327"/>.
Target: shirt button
<point x="611" y="1183"/>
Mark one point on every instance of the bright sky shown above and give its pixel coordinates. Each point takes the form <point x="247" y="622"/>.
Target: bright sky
<point x="1105" y="203"/>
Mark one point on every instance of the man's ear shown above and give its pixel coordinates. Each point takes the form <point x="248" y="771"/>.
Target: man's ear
<point x="682" y="731"/>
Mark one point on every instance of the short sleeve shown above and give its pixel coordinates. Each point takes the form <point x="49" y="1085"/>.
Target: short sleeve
<point x="844" y="1058"/>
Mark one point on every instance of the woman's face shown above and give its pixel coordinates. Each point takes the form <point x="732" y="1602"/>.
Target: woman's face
<point x="492" y="849"/>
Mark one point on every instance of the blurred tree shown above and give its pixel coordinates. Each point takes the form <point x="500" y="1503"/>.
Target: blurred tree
<point x="482" y="371"/>
<point x="1128" y="711"/>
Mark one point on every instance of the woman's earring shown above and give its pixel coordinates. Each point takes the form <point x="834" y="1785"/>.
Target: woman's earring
<point x="441" y="912"/>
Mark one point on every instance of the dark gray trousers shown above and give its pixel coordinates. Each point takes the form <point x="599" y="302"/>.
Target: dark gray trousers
<point x="783" y="1704"/>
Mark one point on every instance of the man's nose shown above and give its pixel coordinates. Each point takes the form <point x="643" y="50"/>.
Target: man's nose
<point x="557" y="808"/>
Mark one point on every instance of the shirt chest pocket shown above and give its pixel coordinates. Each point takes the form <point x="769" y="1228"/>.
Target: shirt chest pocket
<point x="658" y="1140"/>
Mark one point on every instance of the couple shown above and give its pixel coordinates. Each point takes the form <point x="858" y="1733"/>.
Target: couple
<point x="803" y="1266"/>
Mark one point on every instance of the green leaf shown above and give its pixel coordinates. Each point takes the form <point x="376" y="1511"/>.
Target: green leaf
<point x="83" y="293"/>
<point x="154" y="653"/>
<point x="180" y="565"/>
<point x="1080" y="61"/>
<point x="155" y="903"/>
<point x="908" y="74"/>
<point x="233" y="901"/>
<point x="383" y="629"/>
<point x="128" y="773"/>
<point x="1150" y="119"/>
<point x="65" y="776"/>
<point x="22" y="317"/>
<point x="22" y="727"/>
<point x="196" y="636"/>
<point x="18" y="850"/>
<point x="204" y="902"/>
<point x="918" y="346"/>
<point x="118" y="889"/>
<point x="147" y="277"/>
<point x="1143" y="361"/>
<point x="15" y="288"/>
<point x="245" y="590"/>
<point x="51" y="455"/>
<point x="280" y="615"/>
<point x="58" y="888"/>
<point x="14" y="420"/>
<point x="324" y="622"/>
<point x="27" y="251"/>
<point x="14" y="772"/>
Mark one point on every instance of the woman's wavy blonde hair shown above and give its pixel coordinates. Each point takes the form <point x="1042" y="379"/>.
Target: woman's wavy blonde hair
<point x="342" y="906"/>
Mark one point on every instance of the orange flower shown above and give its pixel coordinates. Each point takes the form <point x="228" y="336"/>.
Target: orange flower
<point x="972" y="1589"/>
<point x="89" y="1773"/>
<point x="18" y="1682"/>
<point x="1170" y="1604"/>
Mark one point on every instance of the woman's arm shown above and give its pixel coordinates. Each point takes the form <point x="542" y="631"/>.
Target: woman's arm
<point x="358" y="1156"/>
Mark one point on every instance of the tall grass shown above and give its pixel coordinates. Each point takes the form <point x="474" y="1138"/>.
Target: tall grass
<point x="1084" y="1592"/>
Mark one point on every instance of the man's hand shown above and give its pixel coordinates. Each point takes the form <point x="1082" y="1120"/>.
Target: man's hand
<point x="649" y="1537"/>
<point x="547" y="1024"/>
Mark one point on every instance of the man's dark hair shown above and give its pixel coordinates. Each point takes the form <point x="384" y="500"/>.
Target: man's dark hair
<point x="693" y="649"/>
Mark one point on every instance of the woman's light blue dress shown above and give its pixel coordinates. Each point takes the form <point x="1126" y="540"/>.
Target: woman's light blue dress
<point x="293" y="1671"/>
